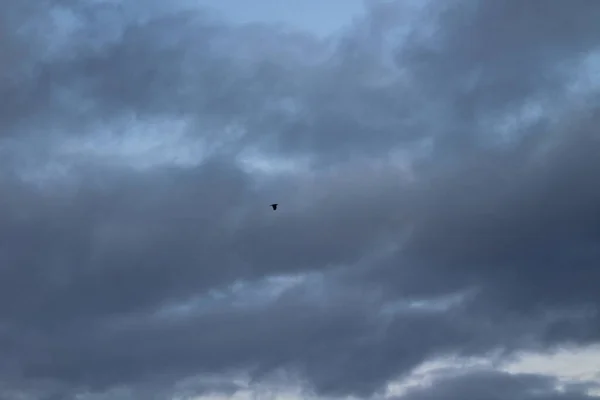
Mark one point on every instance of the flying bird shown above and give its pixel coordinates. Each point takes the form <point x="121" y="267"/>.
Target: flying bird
<point x="274" y="206"/>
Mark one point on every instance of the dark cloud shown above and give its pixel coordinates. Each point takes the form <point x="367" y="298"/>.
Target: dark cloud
<point x="497" y="385"/>
<point x="486" y="59"/>
<point x="96" y="264"/>
<point x="516" y="221"/>
<point x="337" y="340"/>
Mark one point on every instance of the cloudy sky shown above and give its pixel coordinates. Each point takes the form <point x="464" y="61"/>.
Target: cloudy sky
<point x="436" y="165"/>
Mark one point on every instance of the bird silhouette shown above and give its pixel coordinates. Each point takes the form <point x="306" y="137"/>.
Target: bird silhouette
<point x="274" y="206"/>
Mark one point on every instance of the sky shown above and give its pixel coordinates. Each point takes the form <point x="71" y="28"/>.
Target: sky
<point x="435" y="165"/>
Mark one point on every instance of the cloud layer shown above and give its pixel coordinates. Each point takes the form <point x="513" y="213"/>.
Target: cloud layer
<point x="435" y="167"/>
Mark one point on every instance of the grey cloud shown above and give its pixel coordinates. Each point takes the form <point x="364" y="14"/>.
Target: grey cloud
<point x="195" y="70"/>
<point x="498" y="385"/>
<point x="339" y="342"/>
<point x="165" y="234"/>
<point x="85" y="265"/>
<point x="485" y="60"/>
<point x="515" y="219"/>
<point x="59" y="248"/>
<point x="130" y="263"/>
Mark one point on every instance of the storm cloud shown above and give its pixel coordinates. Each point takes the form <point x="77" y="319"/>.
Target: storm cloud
<point x="489" y="384"/>
<point x="435" y="166"/>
